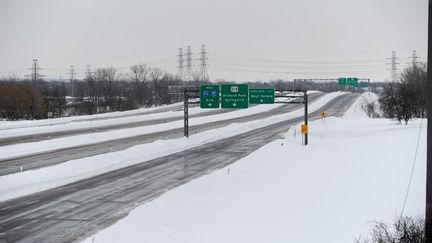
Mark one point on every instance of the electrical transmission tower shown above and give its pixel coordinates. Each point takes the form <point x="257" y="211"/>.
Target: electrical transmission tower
<point x="203" y="60"/>
<point x="35" y="75"/>
<point x="414" y="58"/>
<point x="88" y="72"/>
<point x="393" y="63"/>
<point x="72" y="79"/>
<point x="180" y="66"/>
<point x="189" y="72"/>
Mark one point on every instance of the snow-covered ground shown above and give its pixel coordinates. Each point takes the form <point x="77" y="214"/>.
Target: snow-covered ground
<point x="27" y="182"/>
<point x="65" y="120"/>
<point x="81" y="124"/>
<point x="14" y="150"/>
<point x="354" y="170"/>
<point x="21" y="128"/>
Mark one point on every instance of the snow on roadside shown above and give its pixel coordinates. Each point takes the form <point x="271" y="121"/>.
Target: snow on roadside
<point x="64" y="120"/>
<point x="358" y="109"/>
<point x="73" y="125"/>
<point x="28" y="182"/>
<point x="329" y="191"/>
<point x="15" y="150"/>
<point x="20" y="128"/>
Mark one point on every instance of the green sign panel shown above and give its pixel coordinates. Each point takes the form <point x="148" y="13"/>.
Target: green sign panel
<point x="209" y="96"/>
<point x="261" y="96"/>
<point x="363" y="84"/>
<point x="352" y="81"/>
<point x="342" y="81"/>
<point x="235" y="96"/>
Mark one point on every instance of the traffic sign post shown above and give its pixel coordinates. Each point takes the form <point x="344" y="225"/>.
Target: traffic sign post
<point x="209" y="96"/>
<point x="306" y="117"/>
<point x="235" y="96"/>
<point x="261" y="96"/>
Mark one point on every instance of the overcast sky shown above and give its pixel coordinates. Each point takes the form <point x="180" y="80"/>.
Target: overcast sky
<point x="246" y="40"/>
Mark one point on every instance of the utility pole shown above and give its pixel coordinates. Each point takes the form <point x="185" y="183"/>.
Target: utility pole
<point x="414" y="58"/>
<point x="203" y="60"/>
<point x="72" y="79"/>
<point x="189" y="64"/>
<point x="180" y="67"/>
<point x="428" y="214"/>
<point x="306" y="116"/>
<point x="35" y="75"/>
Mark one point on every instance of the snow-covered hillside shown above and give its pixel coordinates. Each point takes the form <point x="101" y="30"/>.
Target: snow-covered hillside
<point x="352" y="172"/>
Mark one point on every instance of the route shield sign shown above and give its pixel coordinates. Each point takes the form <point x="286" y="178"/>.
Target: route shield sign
<point x="261" y="96"/>
<point x="209" y="96"/>
<point x="235" y="96"/>
<point x="342" y="81"/>
<point x="352" y="81"/>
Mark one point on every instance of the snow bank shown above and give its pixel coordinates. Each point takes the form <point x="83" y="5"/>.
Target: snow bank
<point x="64" y="120"/>
<point x="15" y="150"/>
<point x="27" y="182"/>
<point x="358" y="109"/>
<point x="83" y="124"/>
<point x="354" y="171"/>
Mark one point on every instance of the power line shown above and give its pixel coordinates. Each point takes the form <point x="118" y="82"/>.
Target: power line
<point x="412" y="169"/>
<point x="297" y="61"/>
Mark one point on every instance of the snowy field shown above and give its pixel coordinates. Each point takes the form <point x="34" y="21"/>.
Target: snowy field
<point x="354" y="170"/>
<point x="31" y="181"/>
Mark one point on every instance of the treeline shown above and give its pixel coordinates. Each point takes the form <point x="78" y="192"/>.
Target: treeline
<point x="406" y="99"/>
<point x="102" y="90"/>
<point x="106" y="89"/>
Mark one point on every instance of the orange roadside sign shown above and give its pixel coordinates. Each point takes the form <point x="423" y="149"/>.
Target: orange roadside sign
<point x="304" y="129"/>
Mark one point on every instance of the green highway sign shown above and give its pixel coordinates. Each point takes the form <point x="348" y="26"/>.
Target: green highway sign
<point x="363" y="84"/>
<point x="209" y="96"/>
<point x="235" y="96"/>
<point x="342" y="81"/>
<point x="352" y="81"/>
<point x="261" y="96"/>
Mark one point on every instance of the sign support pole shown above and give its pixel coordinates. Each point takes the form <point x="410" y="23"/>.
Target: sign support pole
<point x="306" y="116"/>
<point x="186" y="113"/>
<point x="428" y="210"/>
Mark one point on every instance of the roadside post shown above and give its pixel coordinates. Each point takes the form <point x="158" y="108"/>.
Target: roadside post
<point x="306" y="117"/>
<point x="428" y="208"/>
<point x="188" y="93"/>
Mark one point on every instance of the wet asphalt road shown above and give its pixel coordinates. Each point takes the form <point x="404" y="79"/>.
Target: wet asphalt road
<point x="28" y="162"/>
<point x="77" y="210"/>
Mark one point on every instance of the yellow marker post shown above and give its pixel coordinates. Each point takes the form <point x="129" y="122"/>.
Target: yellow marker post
<point x="304" y="129"/>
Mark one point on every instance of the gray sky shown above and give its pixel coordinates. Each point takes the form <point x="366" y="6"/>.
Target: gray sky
<point x="247" y="40"/>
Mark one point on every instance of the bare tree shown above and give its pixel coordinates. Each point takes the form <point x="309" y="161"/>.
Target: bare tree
<point x="138" y="79"/>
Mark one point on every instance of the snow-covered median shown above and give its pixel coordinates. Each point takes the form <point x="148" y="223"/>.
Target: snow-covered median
<point x="20" y="184"/>
<point x="77" y="125"/>
<point x="354" y="171"/>
<point x="15" y="150"/>
<point x="4" y="125"/>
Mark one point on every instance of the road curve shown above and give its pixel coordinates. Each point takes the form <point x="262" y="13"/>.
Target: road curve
<point x="8" y="166"/>
<point x="72" y="212"/>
